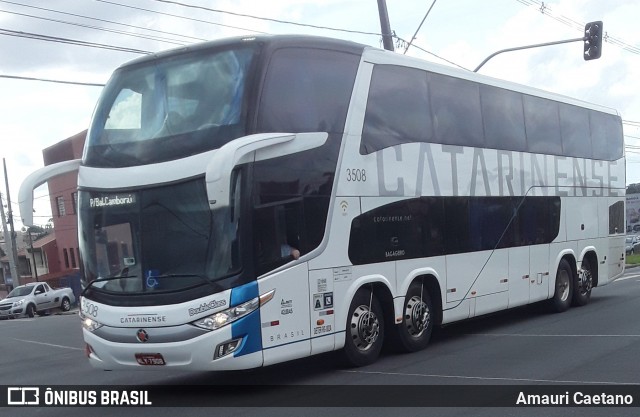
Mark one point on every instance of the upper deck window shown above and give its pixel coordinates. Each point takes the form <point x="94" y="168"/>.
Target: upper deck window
<point x="171" y="108"/>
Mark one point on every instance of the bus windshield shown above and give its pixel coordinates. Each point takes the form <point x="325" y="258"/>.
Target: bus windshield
<point x="160" y="239"/>
<point x="168" y="109"/>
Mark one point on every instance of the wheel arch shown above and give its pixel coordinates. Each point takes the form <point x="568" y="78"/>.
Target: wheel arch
<point x="432" y="284"/>
<point x="568" y="255"/>
<point x="431" y="279"/>
<point x="381" y="288"/>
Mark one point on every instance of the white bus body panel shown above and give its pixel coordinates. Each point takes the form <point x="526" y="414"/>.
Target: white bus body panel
<point x="285" y="319"/>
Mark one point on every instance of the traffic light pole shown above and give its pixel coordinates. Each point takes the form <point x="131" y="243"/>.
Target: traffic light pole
<point x="592" y="43"/>
<point x="538" y="45"/>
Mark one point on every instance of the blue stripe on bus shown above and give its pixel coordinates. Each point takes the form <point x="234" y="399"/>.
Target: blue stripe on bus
<point x="247" y="327"/>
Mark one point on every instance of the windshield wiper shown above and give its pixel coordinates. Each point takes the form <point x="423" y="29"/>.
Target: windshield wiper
<point x="90" y="284"/>
<point x="200" y="277"/>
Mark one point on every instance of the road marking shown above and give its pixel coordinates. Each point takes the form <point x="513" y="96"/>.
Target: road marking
<point x="47" y="344"/>
<point x="485" y="378"/>
<point x="626" y="277"/>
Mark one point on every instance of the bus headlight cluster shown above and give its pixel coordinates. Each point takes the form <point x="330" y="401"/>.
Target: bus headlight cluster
<point x="222" y="318"/>
<point x="89" y="323"/>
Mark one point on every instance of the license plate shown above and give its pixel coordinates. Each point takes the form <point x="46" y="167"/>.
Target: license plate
<point x="150" y="359"/>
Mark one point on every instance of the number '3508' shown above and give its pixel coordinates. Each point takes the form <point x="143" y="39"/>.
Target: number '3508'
<point x="356" y="175"/>
<point x="89" y="308"/>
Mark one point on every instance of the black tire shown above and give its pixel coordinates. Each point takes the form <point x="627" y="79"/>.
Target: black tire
<point x="563" y="294"/>
<point x="31" y="311"/>
<point x="65" y="305"/>
<point x="583" y="285"/>
<point x="414" y="332"/>
<point x="364" y="334"/>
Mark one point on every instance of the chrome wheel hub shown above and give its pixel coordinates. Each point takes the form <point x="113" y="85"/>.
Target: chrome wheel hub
<point x="365" y="328"/>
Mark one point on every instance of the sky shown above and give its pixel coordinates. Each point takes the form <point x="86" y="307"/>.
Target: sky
<point x="36" y="114"/>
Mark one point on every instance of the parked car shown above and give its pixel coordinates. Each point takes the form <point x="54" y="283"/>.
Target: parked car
<point x="35" y="298"/>
<point x="632" y="244"/>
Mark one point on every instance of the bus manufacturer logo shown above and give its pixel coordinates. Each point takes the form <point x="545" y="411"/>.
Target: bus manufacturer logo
<point x="142" y="335"/>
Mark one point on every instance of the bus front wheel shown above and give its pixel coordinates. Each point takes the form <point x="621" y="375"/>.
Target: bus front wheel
<point x="564" y="287"/>
<point x="365" y="329"/>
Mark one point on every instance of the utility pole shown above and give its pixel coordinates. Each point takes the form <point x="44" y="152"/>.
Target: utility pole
<point x="33" y="255"/>
<point x="387" y="39"/>
<point x="12" y="261"/>
<point x="12" y="236"/>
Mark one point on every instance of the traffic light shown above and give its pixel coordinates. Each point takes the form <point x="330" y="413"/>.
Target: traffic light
<point x="592" y="40"/>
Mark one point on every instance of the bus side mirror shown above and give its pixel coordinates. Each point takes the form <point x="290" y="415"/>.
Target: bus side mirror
<point x="36" y="179"/>
<point x="252" y="148"/>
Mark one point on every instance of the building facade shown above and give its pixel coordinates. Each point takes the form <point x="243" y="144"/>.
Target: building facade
<point x="63" y="194"/>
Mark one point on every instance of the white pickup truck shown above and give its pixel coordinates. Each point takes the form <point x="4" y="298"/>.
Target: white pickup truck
<point x="35" y="298"/>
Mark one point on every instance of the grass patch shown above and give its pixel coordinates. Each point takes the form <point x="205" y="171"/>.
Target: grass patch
<point x="633" y="259"/>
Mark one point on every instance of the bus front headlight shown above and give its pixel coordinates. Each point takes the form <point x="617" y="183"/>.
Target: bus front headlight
<point x="222" y="318"/>
<point x="89" y="323"/>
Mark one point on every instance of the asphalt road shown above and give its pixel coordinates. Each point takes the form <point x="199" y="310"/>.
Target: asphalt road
<point x="594" y="345"/>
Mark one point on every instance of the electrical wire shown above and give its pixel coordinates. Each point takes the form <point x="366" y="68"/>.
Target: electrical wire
<point x="48" y="80"/>
<point x="546" y="10"/>
<point x="180" y="17"/>
<point x="413" y="38"/>
<point x="116" y="31"/>
<point x="56" y="39"/>
<point x="268" y="19"/>
<point x="103" y="20"/>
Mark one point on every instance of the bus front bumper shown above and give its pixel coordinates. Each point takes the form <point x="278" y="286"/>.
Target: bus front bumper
<point x="205" y="352"/>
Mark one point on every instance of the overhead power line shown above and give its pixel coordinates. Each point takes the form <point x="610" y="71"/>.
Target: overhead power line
<point x="413" y="38"/>
<point x="56" y="39"/>
<point x="117" y="31"/>
<point x="543" y="8"/>
<point x="268" y="19"/>
<point x="47" y="80"/>
<point x="103" y="20"/>
<point x="180" y="17"/>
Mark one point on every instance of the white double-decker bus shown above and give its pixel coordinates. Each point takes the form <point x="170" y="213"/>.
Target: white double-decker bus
<point x="245" y="202"/>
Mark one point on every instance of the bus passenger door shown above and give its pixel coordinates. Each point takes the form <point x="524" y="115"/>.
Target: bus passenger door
<point x="539" y="273"/>
<point x="322" y="310"/>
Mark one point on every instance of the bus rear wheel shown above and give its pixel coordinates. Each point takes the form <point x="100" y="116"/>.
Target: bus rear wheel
<point x="365" y="329"/>
<point x="583" y="285"/>
<point x="414" y="332"/>
<point x="563" y="295"/>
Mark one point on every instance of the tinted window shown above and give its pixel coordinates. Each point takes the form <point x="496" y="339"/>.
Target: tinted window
<point x="606" y="136"/>
<point x="542" y="125"/>
<point x="456" y="111"/>
<point x="291" y="197"/>
<point x="576" y="135"/>
<point x="503" y="119"/>
<point x="397" y="108"/>
<point x="307" y="90"/>
<point x="402" y="108"/>
<point x="432" y="226"/>
<point x="616" y="218"/>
